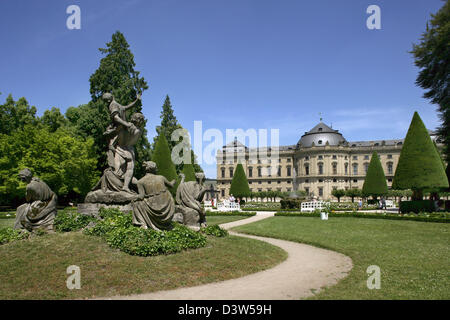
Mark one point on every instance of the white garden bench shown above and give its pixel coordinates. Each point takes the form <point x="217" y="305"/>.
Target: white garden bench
<point x="228" y="206"/>
<point x="313" y="205"/>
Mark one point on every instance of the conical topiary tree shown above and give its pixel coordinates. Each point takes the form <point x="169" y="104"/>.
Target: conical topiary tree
<point x="239" y="185"/>
<point x="162" y="158"/>
<point x="188" y="171"/>
<point x="419" y="166"/>
<point x="375" y="182"/>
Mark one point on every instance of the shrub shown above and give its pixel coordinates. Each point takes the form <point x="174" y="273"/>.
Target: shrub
<point x="417" y="206"/>
<point x="230" y="213"/>
<point x="117" y="229"/>
<point x="290" y="204"/>
<point x="10" y="234"/>
<point x="215" y="231"/>
<point x="66" y="221"/>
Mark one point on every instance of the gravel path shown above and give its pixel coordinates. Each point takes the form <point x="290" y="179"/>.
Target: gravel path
<point x="302" y="274"/>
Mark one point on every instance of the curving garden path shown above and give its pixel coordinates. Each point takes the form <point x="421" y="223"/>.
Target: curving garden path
<point x="306" y="270"/>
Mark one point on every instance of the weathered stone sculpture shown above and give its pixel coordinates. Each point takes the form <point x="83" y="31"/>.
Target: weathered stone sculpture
<point x="154" y="206"/>
<point x="189" y="201"/>
<point x="39" y="211"/>
<point x="114" y="185"/>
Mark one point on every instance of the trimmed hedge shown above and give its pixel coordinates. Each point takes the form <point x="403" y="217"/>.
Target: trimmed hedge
<point x="290" y="204"/>
<point x="417" y="206"/>
<point x="438" y="217"/>
<point x="260" y="209"/>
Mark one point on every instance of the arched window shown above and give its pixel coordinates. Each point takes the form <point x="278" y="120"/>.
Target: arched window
<point x="320" y="167"/>
<point x="223" y="172"/>
<point x="390" y="168"/>
<point x="366" y="167"/>
<point x="346" y="168"/>
<point x="259" y="172"/>
<point x="306" y="169"/>
<point x="334" y="164"/>
<point x="355" y="168"/>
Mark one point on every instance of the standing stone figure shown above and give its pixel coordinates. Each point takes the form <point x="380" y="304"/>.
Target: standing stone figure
<point x="189" y="199"/>
<point x="40" y="210"/>
<point x="114" y="185"/>
<point x="154" y="206"/>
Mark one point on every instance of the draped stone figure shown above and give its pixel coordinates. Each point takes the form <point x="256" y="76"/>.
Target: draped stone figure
<point x="114" y="185"/>
<point x="154" y="207"/>
<point x="39" y="211"/>
<point x="189" y="201"/>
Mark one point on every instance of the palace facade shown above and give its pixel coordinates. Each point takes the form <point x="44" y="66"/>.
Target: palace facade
<point x="321" y="161"/>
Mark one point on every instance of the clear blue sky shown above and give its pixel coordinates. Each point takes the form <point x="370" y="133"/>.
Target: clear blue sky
<point x="232" y="64"/>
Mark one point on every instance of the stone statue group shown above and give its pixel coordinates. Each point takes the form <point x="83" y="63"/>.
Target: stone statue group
<point x="149" y="197"/>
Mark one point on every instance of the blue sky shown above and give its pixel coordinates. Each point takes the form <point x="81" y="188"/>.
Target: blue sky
<point x="232" y="64"/>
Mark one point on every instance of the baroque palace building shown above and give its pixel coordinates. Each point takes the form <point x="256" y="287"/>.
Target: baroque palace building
<point x="321" y="161"/>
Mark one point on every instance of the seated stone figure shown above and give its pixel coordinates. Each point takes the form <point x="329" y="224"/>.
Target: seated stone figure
<point x="154" y="206"/>
<point x="40" y="210"/>
<point x="189" y="201"/>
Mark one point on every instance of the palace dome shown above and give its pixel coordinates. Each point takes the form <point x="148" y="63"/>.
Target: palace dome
<point x="321" y="135"/>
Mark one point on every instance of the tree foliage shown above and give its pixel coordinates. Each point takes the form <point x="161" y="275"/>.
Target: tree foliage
<point x="419" y="166"/>
<point x="14" y="115"/>
<point x="239" y="184"/>
<point x="375" y="182"/>
<point x="162" y="158"/>
<point x="116" y="74"/>
<point x="169" y="124"/>
<point x="338" y="193"/>
<point x="188" y="171"/>
<point x="353" y="193"/>
<point x="432" y="56"/>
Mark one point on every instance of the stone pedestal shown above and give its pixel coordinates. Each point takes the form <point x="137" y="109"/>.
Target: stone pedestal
<point x="92" y="209"/>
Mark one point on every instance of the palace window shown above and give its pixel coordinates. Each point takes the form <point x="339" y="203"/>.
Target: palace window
<point x="390" y="168"/>
<point x="320" y="192"/>
<point x="355" y="168"/>
<point x="334" y="157"/>
<point x="269" y="171"/>
<point x="389" y="156"/>
<point x="288" y="171"/>
<point x="250" y="172"/>
<point x="231" y="172"/>
<point x="334" y="168"/>
<point x="223" y="172"/>
<point x="346" y="168"/>
<point x="355" y="157"/>
<point x="279" y="171"/>
<point x="259" y="172"/>
<point x="288" y="159"/>
<point x="320" y="168"/>
<point x="320" y="157"/>
<point x="307" y="169"/>
<point x="366" y="157"/>
<point x="366" y="167"/>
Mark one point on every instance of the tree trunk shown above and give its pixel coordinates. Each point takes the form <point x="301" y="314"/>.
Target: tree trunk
<point x="417" y="195"/>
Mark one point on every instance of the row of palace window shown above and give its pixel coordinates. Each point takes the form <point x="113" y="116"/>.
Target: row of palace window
<point x="389" y="165"/>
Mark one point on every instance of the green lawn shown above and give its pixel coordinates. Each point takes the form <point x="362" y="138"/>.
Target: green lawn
<point x="414" y="257"/>
<point x="6" y="223"/>
<point x="36" y="268"/>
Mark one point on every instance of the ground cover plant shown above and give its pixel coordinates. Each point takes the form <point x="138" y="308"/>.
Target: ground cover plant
<point x="413" y="257"/>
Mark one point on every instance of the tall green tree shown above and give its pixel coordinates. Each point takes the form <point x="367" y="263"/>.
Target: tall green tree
<point x="53" y="119"/>
<point x="432" y="56"/>
<point x="66" y="163"/>
<point x="162" y="158"/>
<point x="419" y="166"/>
<point x="375" y="182"/>
<point x="188" y="171"/>
<point x="239" y="185"/>
<point x="117" y="75"/>
<point x="14" y="115"/>
<point x="169" y="124"/>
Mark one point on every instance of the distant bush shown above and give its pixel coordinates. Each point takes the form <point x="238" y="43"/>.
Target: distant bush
<point x="117" y="229"/>
<point x="230" y="213"/>
<point x="417" y="206"/>
<point x="290" y="204"/>
<point x="215" y="231"/>
<point x="10" y="234"/>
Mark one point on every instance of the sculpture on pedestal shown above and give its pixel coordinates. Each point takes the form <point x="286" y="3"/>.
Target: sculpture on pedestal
<point x="189" y="201"/>
<point x="39" y="211"/>
<point x="154" y="206"/>
<point x="114" y="185"/>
